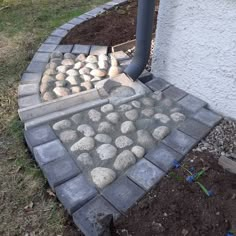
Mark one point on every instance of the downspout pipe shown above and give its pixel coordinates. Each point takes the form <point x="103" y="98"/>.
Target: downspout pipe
<point x="146" y="9"/>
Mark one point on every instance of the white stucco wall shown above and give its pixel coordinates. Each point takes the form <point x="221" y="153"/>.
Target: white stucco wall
<point x="195" y="49"/>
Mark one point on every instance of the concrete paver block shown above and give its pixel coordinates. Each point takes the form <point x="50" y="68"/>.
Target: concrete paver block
<point x="47" y="47"/>
<point x="59" y="32"/>
<point x="64" y="48"/>
<point x="29" y="101"/>
<point x="36" y="67"/>
<point x="31" y="78"/>
<point x="81" y="49"/>
<point x="53" y="40"/>
<point x="41" y="56"/>
<point x="75" y="21"/>
<point x="68" y="26"/>
<point x="27" y="89"/>
<point x="120" y="56"/>
<point x="98" y="50"/>
<point x="157" y="84"/>
<point x="174" y="93"/>
<point x="96" y="11"/>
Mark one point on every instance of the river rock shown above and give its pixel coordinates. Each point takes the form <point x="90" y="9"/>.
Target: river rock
<point x="68" y="136"/>
<point x="76" y="118"/>
<point x="62" y="69"/>
<point x="107" y="108"/>
<point x="85" y="159"/>
<point x="68" y="62"/>
<point x="52" y="65"/>
<point x="60" y="76"/>
<point x="103" y="65"/>
<point x="47" y="79"/>
<point x="123" y="141"/>
<point x="84" y="144"/>
<point x="80" y="57"/>
<point x="103" y="57"/>
<point x="103" y="138"/>
<point x="98" y="73"/>
<point x="87" y="85"/>
<point x="132" y="114"/>
<point x="124" y="107"/>
<point x="85" y="71"/>
<point x="78" y="65"/>
<point x="157" y="96"/>
<point x="102" y="176"/>
<point x="50" y="72"/>
<point x="92" y="66"/>
<point x="162" y="118"/>
<point x="148" y="101"/>
<point x="114" y="71"/>
<point x="63" y="124"/>
<point x="72" y="72"/>
<point x="75" y="89"/>
<point x="106" y="151"/>
<point x="91" y="59"/>
<point x="48" y="96"/>
<point x="44" y="87"/>
<point x="73" y="80"/>
<point x="127" y="127"/>
<point x="144" y="138"/>
<point x="114" y="61"/>
<point x="61" y="83"/>
<point x="86" y="77"/>
<point x="61" y="92"/>
<point x="69" y="56"/>
<point x="94" y="115"/>
<point x="177" y="117"/>
<point x="148" y="112"/>
<point x="136" y="104"/>
<point x="86" y="130"/>
<point x="113" y="117"/>
<point x="124" y="160"/>
<point x="138" y="151"/>
<point x="160" y="132"/>
<point x="105" y="127"/>
<point x="56" y="54"/>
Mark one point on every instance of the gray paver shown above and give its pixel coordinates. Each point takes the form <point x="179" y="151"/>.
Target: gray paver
<point x="74" y="193"/>
<point x="29" y="101"/>
<point x="120" y="56"/>
<point x="163" y="156"/>
<point x="145" y="174"/>
<point x="145" y="77"/>
<point x="194" y="128"/>
<point x="50" y="151"/>
<point x="174" y="93"/>
<point x="123" y="193"/>
<point x="47" y="47"/>
<point x="53" y="40"/>
<point x="119" y="1"/>
<point x="76" y="21"/>
<point x="97" y="50"/>
<point x="191" y="103"/>
<point x="107" y="6"/>
<point x="36" y="67"/>
<point x="157" y="84"/>
<point x="31" y="78"/>
<point x="59" y="32"/>
<point x="79" y="48"/>
<point x="207" y="117"/>
<point x="39" y="135"/>
<point x="68" y="26"/>
<point x="27" y="89"/>
<point x="41" y="56"/>
<point x="179" y="141"/>
<point x="85" y="16"/>
<point x="59" y="171"/>
<point x="64" y="48"/>
<point x="96" y="11"/>
<point x="87" y="217"/>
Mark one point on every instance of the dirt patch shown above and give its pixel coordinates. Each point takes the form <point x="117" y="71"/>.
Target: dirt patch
<point x="176" y="207"/>
<point x="115" y="26"/>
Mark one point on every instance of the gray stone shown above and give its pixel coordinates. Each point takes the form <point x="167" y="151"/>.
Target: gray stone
<point x="124" y="107"/>
<point x="174" y="93"/>
<point x="61" y="125"/>
<point x="84" y="144"/>
<point x="145" y="123"/>
<point x="31" y="78"/>
<point x="94" y="12"/>
<point x="28" y="101"/>
<point x="76" y="118"/>
<point x="107" y="108"/>
<point x="120" y="55"/>
<point x="106" y="151"/>
<point x="53" y="40"/>
<point x="157" y="84"/>
<point x="113" y="117"/>
<point x="59" y="32"/>
<point x="88" y="218"/>
<point x="74" y="193"/>
<point x="177" y="117"/>
<point x="98" y="50"/>
<point x="85" y="71"/>
<point x="86" y="77"/>
<point x="75" y="89"/>
<point x="50" y="151"/>
<point x="145" y="174"/>
<point x="144" y="138"/>
<point x="81" y="49"/>
<point x="57" y="55"/>
<point x="73" y="80"/>
<point x="48" y="96"/>
<point x="68" y="62"/>
<point x="138" y="151"/>
<point x="179" y="141"/>
<point x="191" y="103"/>
<point x="124" y="160"/>
<point x="72" y="72"/>
<point x="47" y="47"/>
<point x="127" y="127"/>
<point x="76" y="21"/>
<point x="98" y="73"/>
<point x="132" y="114"/>
<point x="39" y="135"/>
<point x="91" y="59"/>
<point x="61" y="83"/>
<point x="158" y="95"/>
<point x="41" y="56"/>
<point x="123" y="194"/>
<point x="61" y="92"/>
<point x="105" y="127"/>
<point x="148" y="112"/>
<point x="123" y="141"/>
<point x="114" y="71"/>
<point x="136" y="104"/>
<point x="86" y="130"/>
<point x="64" y="48"/>
<point x="62" y="69"/>
<point x="94" y="115"/>
<point x="102" y="176"/>
<point x="68" y="136"/>
<point x="194" y="128"/>
<point x="59" y="171"/>
<point x="87" y="85"/>
<point x="78" y="65"/>
<point x="85" y="159"/>
<point x="122" y="91"/>
<point x="103" y="138"/>
<point x="162" y="118"/>
<point x="146" y="101"/>
<point x="163" y="157"/>
<point x="67" y="26"/>
<point x="160" y="132"/>
<point x="207" y="117"/>
<point x="69" y="55"/>
<point x="103" y="65"/>
<point x="27" y="89"/>
<point x="36" y="67"/>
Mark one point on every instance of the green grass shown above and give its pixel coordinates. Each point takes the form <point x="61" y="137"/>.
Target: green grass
<point x="24" y="25"/>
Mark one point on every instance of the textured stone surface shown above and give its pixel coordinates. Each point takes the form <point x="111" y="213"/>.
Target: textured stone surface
<point x="85" y="159"/>
<point x="123" y="141"/>
<point x="86" y="130"/>
<point x="62" y="124"/>
<point x="103" y="138"/>
<point x="28" y="101"/>
<point x="78" y="49"/>
<point x="124" y="160"/>
<point x="145" y="174"/>
<point x="68" y="136"/>
<point x="138" y="151"/>
<point x="47" y="47"/>
<point x="127" y="127"/>
<point x="74" y="193"/>
<point x="36" y="67"/>
<point x="31" y="78"/>
<point x="106" y="151"/>
<point x="157" y="84"/>
<point x="144" y="138"/>
<point x="174" y="93"/>
<point x="84" y="144"/>
<point x="123" y="194"/>
<point x="160" y="132"/>
<point x="27" y="89"/>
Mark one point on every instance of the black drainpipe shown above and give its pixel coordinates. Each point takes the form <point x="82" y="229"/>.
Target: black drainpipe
<point x="146" y="9"/>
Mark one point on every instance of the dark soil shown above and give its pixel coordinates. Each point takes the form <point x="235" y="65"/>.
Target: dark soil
<point x="176" y="207"/>
<point x="116" y="26"/>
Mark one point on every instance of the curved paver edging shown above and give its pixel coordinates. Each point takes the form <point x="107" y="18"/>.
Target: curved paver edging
<point x="88" y="204"/>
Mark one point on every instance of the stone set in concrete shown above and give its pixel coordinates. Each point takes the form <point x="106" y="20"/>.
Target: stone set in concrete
<point x="116" y="113"/>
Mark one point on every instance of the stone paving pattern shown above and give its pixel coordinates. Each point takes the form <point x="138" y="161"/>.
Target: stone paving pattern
<point x="64" y="147"/>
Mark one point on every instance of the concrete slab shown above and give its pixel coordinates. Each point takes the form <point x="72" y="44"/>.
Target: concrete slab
<point x="53" y="40"/>
<point x="59" y="32"/>
<point x="29" y="101"/>
<point x="64" y="48"/>
<point x="68" y="26"/>
<point x="98" y="50"/>
<point x="41" y="56"/>
<point x="74" y="193"/>
<point x="174" y="93"/>
<point x="157" y="84"/>
<point x="81" y="49"/>
<point x="145" y="174"/>
<point x="36" y="67"/>
<point x="31" y="78"/>
<point x="123" y="194"/>
<point x="75" y="21"/>
<point x="47" y="47"/>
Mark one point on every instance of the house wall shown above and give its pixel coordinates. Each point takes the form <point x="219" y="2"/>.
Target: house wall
<point x="195" y="49"/>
